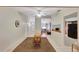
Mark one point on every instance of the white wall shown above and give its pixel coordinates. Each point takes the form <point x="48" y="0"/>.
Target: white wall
<point x="25" y="19"/>
<point x="59" y="41"/>
<point x="30" y="26"/>
<point x="9" y="34"/>
<point x="37" y="24"/>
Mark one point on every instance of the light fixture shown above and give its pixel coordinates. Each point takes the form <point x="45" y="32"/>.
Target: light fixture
<point x="39" y="13"/>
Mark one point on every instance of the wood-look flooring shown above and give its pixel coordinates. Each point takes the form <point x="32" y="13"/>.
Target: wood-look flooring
<point x="27" y="46"/>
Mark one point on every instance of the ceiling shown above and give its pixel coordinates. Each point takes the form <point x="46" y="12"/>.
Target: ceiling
<point x="34" y="10"/>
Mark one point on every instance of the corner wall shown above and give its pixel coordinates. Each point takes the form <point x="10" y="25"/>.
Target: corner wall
<point x="9" y="34"/>
<point x="58" y="40"/>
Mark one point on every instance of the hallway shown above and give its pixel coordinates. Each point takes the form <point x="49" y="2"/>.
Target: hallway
<point x="18" y="26"/>
<point x="27" y="46"/>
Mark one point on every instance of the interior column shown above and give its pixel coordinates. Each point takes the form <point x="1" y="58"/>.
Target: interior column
<point x="37" y="24"/>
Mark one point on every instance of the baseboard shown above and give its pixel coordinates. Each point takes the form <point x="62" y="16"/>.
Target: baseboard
<point x="14" y="45"/>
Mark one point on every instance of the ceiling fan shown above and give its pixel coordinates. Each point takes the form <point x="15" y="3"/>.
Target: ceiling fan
<point x="41" y="13"/>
